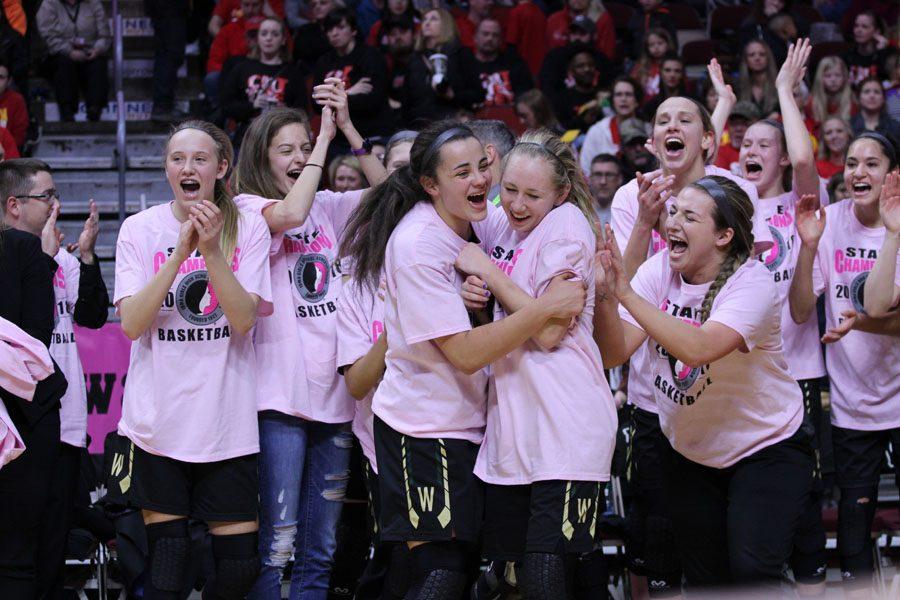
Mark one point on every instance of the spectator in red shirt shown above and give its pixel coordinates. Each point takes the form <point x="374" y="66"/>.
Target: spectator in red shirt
<point x="525" y="32"/>
<point x="232" y="40"/>
<point x="558" y="25"/>
<point x="744" y="114"/>
<point x="13" y="112"/>
<point x="227" y="11"/>
<point x="834" y="139"/>
<point x="467" y="24"/>
<point x="8" y="147"/>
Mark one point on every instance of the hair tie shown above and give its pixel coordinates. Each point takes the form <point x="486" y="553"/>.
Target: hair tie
<point x="886" y="144"/>
<point x="444" y="137"/>
<point x="546" y="151"/>
<point x="712" y="187"/>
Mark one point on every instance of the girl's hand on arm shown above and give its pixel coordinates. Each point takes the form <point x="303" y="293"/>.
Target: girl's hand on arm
<point x="797" y="141"/>
<point x="475" y="293"/>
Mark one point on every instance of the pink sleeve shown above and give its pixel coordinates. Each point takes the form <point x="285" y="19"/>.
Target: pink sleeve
<point x="258" y="204"/>
<point x="748" y="303"/>
<point x="570" y="249"/>
<point x="130" y="275"/>
<point x="647" y="283"/>
<point x="428" y="303"/>
<point x="488" y="230"/>
<point x="254" y="273"/>
<point x="624" y="214"/>
<point x="339" y="206"/>
<point x="353" y="336"/>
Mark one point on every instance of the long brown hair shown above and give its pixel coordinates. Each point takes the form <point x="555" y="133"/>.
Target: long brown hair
<point x="745" y="82"/>
<point x="221" y="194"/>
<point x="546" y="146"/>
<point x="741" y="246"/>
<point x="252" y="174"/>
<point x="384" y="205"/>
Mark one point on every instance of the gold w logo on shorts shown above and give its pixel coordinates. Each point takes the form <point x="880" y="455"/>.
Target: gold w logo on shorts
<point x="118" y="465"/>
<point x="584" y="505"/>
<point x="426" y="498"/>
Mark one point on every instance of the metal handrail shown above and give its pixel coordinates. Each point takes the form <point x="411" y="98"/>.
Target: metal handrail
<point x="121" y="158"/>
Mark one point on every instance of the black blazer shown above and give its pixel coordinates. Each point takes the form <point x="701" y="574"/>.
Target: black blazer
<point x="26" y="278"/>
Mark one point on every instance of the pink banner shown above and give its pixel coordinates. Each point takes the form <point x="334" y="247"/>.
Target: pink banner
<point x="104" y="355"/>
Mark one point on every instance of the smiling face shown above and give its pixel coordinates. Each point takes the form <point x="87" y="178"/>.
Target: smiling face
<point x="346" y="179"/>
<point x="865" y="168"/>
<point x="694" y="241"/>
<point x="871" y="96"/>
<point x="624" y="100"/>
<point x="679" y="136"/>
<point x="756" y="57"/>
<point x="527" y="193"/>
<point x="833" y="79"/>
<point x="763" y="158"/>
<point x="836" y="136"/>
<point x="193" y="167"/>
<point x="270" y="37"/>
<point x="288" y="151"/>
<point x="462" y="180"/>
<point x="863" y="29"/>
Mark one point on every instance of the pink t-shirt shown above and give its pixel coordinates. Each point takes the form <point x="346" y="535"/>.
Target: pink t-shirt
<point x="297" y="345"/>
<point x="864" y="368"/>
<point x="624" y="209"/>
<point x="191" y="388"/>
<point x="73" y="412"/>
<point x="802" y="348"/>
<point x="422" y="394"/>
<point x="727" y="410"/>
<point x="553" y="415"/>
<point x="360" y="322"/>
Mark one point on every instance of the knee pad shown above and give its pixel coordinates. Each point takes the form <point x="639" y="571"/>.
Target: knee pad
<point x="856" y="511"/>
<point x="433" y="556"/>
<point x="660" y="555"/>
<point x="441" y="584"/>
<point x="237" y="564"/>
<point x="169" y="545"/>
<point x="543" y="576"/>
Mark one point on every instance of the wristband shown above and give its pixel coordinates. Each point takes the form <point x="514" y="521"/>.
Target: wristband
<point x="313" y="165"/>
<point x="366" y="148"/>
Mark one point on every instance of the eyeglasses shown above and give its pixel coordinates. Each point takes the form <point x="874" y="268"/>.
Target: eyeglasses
<point x="48" y="196"/>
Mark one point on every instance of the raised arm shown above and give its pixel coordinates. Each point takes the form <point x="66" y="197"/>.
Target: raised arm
<point x="726" y="98"/>
<point x="332" y="94"/>
<point x="810" y="227"/>
<point x="293" y="211"/>
<point x="616" y="339"/>
<point x="238" y="304"/>
<point x="799" y="145"/>
<point x="882" y="293"/>
<point x="654" y="189"/>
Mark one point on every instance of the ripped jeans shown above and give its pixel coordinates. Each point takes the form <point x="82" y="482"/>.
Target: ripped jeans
<point x="303" y="473"/>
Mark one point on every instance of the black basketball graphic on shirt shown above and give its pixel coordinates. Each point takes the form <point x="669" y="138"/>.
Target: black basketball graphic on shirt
<point x="312" y="276"/>
<point x="682" y="375"/>
<point x="196" y="300"/>
<point x="858" y="291"/>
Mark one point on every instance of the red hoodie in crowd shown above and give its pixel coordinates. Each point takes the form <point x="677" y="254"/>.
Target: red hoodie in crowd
<point x="14" y="116"/>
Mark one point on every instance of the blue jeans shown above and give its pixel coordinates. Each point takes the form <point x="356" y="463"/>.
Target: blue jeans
<point x="303" y="473"/>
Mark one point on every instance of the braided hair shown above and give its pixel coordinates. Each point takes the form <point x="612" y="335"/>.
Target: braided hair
<point x="732" y="209"/>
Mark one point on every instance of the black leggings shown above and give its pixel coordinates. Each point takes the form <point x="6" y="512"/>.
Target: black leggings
<point x="736" y="525"/>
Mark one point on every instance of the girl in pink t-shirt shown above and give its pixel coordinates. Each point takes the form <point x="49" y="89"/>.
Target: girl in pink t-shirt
<point x="430" y="405"/>
<point x="551" y="419"/>
<point x="778" y="159"/>
<point x="839" y="248"/>
<point x="683" y="141"/>
<point x="710" y="319"/>
<point x="304" y="408"/>
<point x="191" y="278"/>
